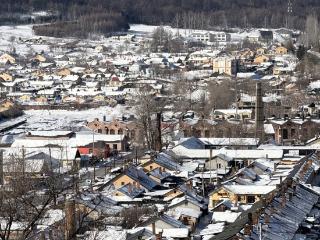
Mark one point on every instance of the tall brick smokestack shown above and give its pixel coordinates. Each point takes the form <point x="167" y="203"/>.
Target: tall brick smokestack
<point x="1" y="168"/>
<point x="259" y="115"/>
<point x="70" y="220"/>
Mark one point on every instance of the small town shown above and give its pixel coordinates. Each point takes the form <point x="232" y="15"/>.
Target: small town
<point x="160" y="132"/>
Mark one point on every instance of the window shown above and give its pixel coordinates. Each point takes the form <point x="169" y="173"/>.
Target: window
<point x="219" y="165"/>
<point x="115" y="146"/>
<point x="120" y="131"/>
<point x="99" y="130"/>
<point x="151" y="167"/>
<point x="122" y="183"/>
<point x="284" y="133"/>
<point x="251" y="199"/>
<point x="207" y="133"/>
<point x="112" y="132"/>
<point x="293" y="132"/>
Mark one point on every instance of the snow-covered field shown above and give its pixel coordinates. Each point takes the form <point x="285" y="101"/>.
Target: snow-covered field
<point x="10" y="37"/>
<point x="237" y="35"/>
<point x="67" y="120"/>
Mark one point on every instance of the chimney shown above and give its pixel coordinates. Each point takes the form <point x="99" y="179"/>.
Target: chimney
<point x="70" y="219"/>
<point x="283" y="200"/>
<point x="247" y="229"/>
<point x="158" y="145"/>
<point x="236" y="201"/>
<point x="154" y="228"/>
<point x="266" y="219"/>
<point x="1" y="168"/>
<point x="255" y="218"/>
<point x="259" y="114"/>
<point x="159" y="236"/>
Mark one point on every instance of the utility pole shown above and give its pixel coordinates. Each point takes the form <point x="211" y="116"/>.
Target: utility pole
<point x="210" y="160"/>
<point x="23" y="161"/>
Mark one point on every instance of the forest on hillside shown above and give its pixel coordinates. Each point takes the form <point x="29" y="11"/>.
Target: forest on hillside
<point x="83" y="17"/>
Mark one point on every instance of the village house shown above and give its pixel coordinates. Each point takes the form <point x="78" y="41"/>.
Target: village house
<point x="261" y="59"/>
<point x="167" y="226"/>
<point x="225" y="64"/>
<point x="7" y="59"/>
<point x="240" y="194"/>
<point x="281" y="50"/>
<point x="135" y="177"/>
<point x="219" y="161"/>
<point x="295" y="130"/>
<point x="114" y="127"/>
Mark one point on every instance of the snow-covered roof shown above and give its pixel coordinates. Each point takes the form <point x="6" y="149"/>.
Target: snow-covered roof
<point x="175" y="233"/>
<point x="235" y="154"/>
<point x="226" y="216"/>
<point x="249" y="189"/>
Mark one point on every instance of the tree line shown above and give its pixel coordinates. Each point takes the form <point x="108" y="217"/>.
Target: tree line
<point x="110" y="15"/>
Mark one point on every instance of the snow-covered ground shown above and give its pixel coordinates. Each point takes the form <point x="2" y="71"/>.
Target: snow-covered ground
<point x="68" y="120"/>
<point x="236" y="35"/>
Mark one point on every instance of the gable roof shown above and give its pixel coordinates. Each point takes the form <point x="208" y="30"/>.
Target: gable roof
<point x="141" y="177"/>
<point x="249" y="189"/>
<point x="131" y="190"/>
<point x="178" y="201"/>
<point x="157" y="173"/>
<point x="167" y="161"/>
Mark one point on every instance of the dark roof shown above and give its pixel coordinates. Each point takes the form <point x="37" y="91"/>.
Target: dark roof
<point x="266" y="34"/>
<point x="192" y="143"/>
<point x="191" y="200"/>
<point x="167" y="161"/>
<point x="141" y="177"/>
<point x="131" y="190"/>
<point x="286" y="219"/>
<point x="159" y="174"/>
<point x="166" y="218"/>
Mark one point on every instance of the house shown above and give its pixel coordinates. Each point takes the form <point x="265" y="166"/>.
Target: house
<point x="240" y="194"/>
<point x="166" y="195"/>
<point x="64" y="72"/>
<point x="261" y="59"/>
<point x="7" y="59"/>
<point x="266" y="36"/>
<point x="296" y="130"/>
<point x="261" y="51"/>
<point x="39" y="58"/>
<point x="6" y="77"/>
<point x="115" y="82"/>
<point x="127" y="128"/>
<point x="129" y="190"/>
<point x="168" y="226"/>
<point x="220" y="37"/>
<point x="254" y="37"/>
<point x="188" y="202"/>
<point x="137" y="178"/>
<point x="202" y="37"/>
<point x="281" y="50"/>
<point x="158" y="175"/>
<point x="187" y="210"/>
<point x="103" y="143"/>
<point x="225" y="64"/>
<point x="241" y="114"/>
<point x="219" y="161"/>
<point x="7" y="87"/>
